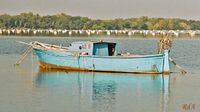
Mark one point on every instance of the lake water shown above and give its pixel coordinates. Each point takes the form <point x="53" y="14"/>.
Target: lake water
<point x="26" y="89"/>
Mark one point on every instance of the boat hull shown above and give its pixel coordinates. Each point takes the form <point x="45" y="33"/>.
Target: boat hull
<point x="50" y="59"/>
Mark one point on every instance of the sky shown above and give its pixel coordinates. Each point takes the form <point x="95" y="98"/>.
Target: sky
<point x="106" y="9"/>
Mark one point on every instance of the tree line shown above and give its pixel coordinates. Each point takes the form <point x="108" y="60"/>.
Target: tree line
<point x="63" y="21"/>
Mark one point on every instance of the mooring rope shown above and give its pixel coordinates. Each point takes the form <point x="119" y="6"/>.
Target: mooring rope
<point x="178" y="66"/>
<point x="28" y="50"/>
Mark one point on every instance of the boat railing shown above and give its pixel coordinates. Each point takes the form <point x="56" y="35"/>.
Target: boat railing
<point x="45" y="46"/>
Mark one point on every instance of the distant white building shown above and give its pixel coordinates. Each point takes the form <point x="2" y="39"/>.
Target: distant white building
<point x="108" y="32"/>
<point x="70" y="33"/>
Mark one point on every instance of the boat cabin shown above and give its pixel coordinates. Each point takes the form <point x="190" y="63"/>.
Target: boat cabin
<point x="98" y="48"/>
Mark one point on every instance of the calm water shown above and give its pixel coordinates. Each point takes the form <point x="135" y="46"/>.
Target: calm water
<point x="26" y="89"/>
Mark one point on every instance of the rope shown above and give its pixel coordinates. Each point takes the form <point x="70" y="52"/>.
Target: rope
<point x="24" y="55"/>
<point x="178" y="66"/>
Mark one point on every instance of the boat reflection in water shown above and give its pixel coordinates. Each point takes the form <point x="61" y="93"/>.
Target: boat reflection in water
<point x="106" y="92"/>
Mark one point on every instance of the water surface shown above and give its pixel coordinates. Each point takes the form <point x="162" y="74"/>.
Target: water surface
<point x="27" y="89"/>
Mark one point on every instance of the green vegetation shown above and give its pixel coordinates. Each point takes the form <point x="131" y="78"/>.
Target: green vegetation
<point x="63" y="21"/>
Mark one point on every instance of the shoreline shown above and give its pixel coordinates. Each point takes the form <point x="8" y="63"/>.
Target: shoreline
<point x="98" y="33"/>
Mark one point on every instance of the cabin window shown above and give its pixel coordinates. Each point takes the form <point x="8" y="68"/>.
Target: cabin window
<point x="104" y="49"/>
<point x="100" y="49"/>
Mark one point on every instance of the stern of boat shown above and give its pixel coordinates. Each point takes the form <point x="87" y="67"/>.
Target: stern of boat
<point x="166" y="66"/>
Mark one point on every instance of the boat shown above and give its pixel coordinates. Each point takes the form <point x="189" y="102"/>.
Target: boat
<point x="98" y="56"/>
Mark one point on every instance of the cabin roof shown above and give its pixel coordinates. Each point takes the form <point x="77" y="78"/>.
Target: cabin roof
<point x="95" y="42"/>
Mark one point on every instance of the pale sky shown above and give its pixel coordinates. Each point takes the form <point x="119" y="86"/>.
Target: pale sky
<point x="106" y="9"/>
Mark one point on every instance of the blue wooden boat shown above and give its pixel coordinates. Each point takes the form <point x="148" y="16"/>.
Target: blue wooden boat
<point x="99" y="56"/>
